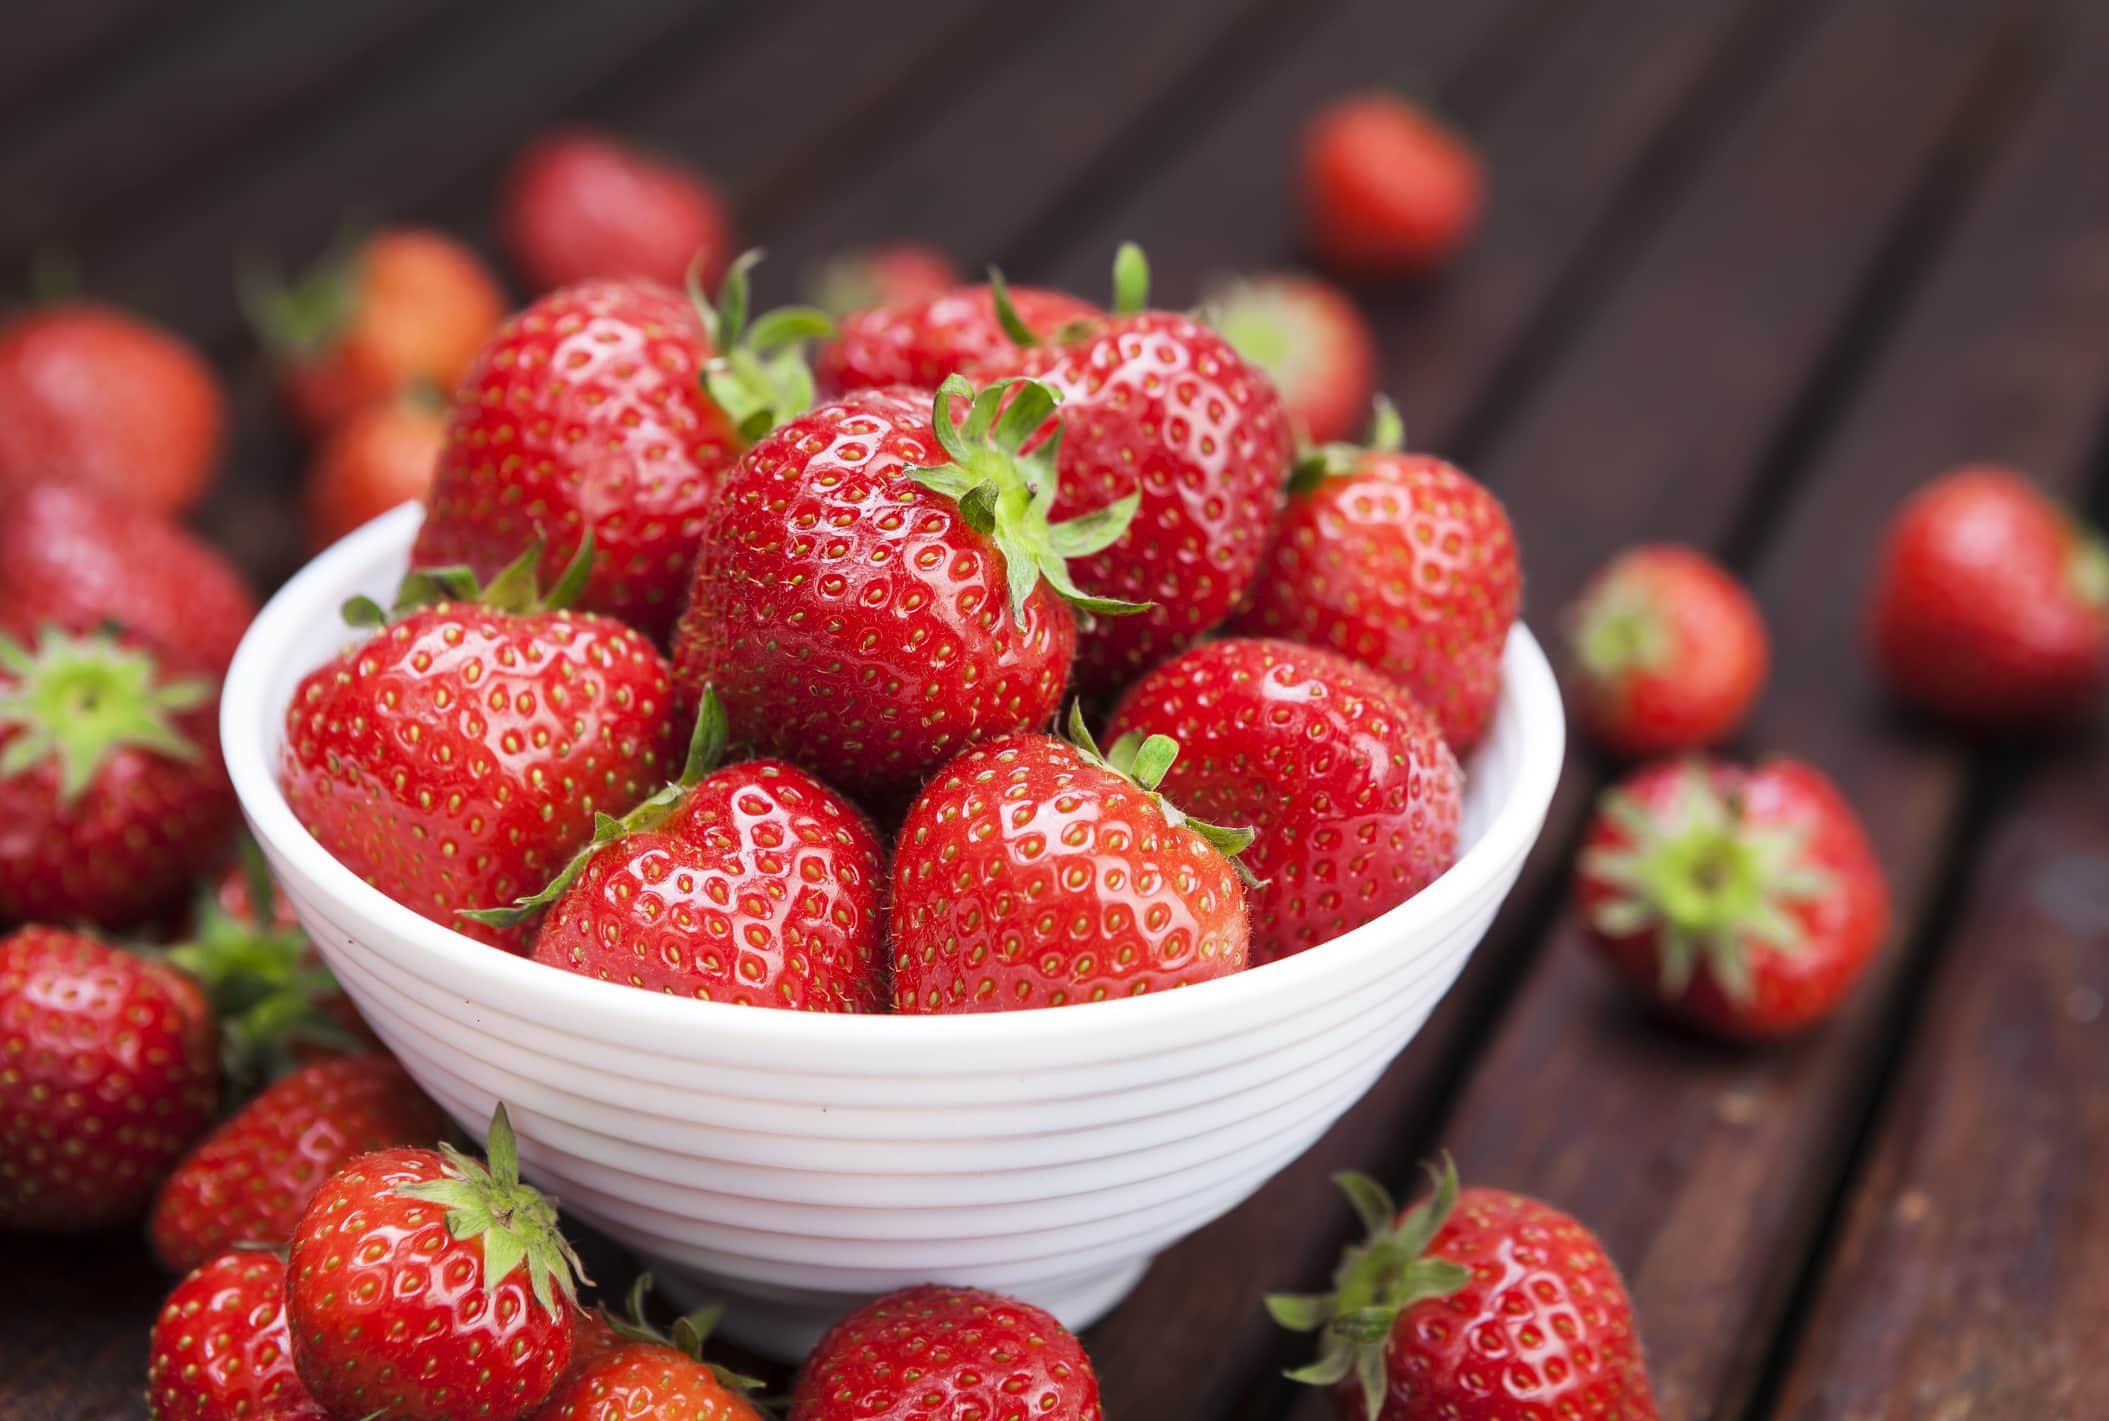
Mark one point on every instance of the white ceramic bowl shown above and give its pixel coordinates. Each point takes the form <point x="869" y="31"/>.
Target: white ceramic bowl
<point x="798" y="1164"/>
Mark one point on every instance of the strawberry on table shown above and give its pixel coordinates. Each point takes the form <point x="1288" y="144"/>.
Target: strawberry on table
<point x="956" y="331"/>
<point x="382" y="456"/>
<point x="754" y="883"/>
<point x="899" y="274"/>
<point x="1746" y="901"/>
<point x="113" y="796"/>
<point x="250" y="1180"/>
<point x="1475" y="1305"/>
<point x="110" y="1073"/>
<point x="458" y="757"/>
<point x="401" y="308"/>
<point x="581" y="206"/>
<point x="424" y="1285"/>
<point x="1991" y="603"/>
<point x="1388" y="191"/>
<point x="932" y="1351"/>
<point x="627" y="1368"/>
<point x="220" y="1350"/>
<point x="1036" y="872"/>
<point x="1313" y="342"/>
<point x="1402" y="562"/>
<point x="1669" y="652"/>
<point x="1353" y="795"/>
<point x="94" y="396"/>
<point x="880" y="586"/>
<point x="1158" y="407"/>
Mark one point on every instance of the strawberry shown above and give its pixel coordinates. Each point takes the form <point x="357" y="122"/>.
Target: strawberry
<point x="1746" y="901"/>
<point x="1312" y="341"/>
<point x="109" y="1075"/>
<point x="402" y="308"/>
<point x="1475" y="1305"/>
<point x="579" y="206"/>
<point x="956" y="331"/>
<point x="1035" y="872"/>
<point x="933" y="1351"/>
<point x="1402" y="562"/>
<point x="112" y="792"/>
<point x="1991" y="605"/>
<point x="1387" y="190"/>
<point x="78" y="557"/>
<point x="588" y="412"/>
<point x="1159" y="407"/>
<point x="754" y="884"/>
<point x="459" y="756"/>
<point x="879" y="587"/>
<point x="424" y="1285"/>
<point x="250" y="1180"/>
<point x="1353" y="794"/>
<point x="625" y="1369"/>
<point x="379" y="457"/>
<point x="901" y="274"/>
<point x="220" y="1350"/>
<point x="1668" y="649"/>
<point x="95" y="396"/>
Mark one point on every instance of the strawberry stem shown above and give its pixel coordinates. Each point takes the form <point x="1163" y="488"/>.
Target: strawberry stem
<point x="82" y="699"/>
<point x="758" y="374"/>
<point x="1144" y="761"/>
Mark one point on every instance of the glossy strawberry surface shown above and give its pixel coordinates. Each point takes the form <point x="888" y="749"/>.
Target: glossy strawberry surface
<point x="644" y="1379"/>
<point x="586" y="410"/>
<point x="1406" y="564"/>
<point x="249" y="1181"/>
<point x="1158" y="404"/>
<point x="109" y="1069"/>
<point x="456" y="758"/>
<point x="763" y="887"/>
<point x="1026" y="876"/>
<point x="921" y="342"/>
<point x="930" y="1352"/>
<point x="220" y="1350"/>
<point x="850" y="618"/>
<point x="1354" y="795"/>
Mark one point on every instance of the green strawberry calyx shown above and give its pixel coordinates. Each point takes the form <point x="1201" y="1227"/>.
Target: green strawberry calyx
<point x="758" y="374"/>
<point x="1005" y="494"/>
<point x="81" y="699"/>
<point x="706" y="750"/>
<point x="1144" y="761"/>
<point x="516" y="589"/>
<point x="1131" y="294"/>
<point x="1319" y="462"/>
<point x="2088" y="571"/>
<point x="517" y="1222"/>
<point x="304" y="318"/>
<point x="687" y="1336"/>
<point x="1709" y="884"/>
<point x="1620" y="626"/>
<point x="1377" y="1280"/>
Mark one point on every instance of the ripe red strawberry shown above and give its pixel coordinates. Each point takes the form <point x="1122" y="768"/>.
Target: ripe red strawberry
<point x="900" y="274"/>
<point x="1472" y="1306"/>
<point x="250" y="1180"/>
<point x="933" y="1351"/>
<point x="220" y="1350"/>
<point x="1353" y="796"/>
<point x="1036" y="872"/>
<point x="109" y="1075"/>
<point x="879" y="587"/>
<point x="1402" y="562"/>
<point x="1669" y="651"/>
<point x="754" y="884"/>
<point x="1991" y="605"/>
<point x="1313" y="342"/>
<point x="424" y="1285"/>
<point x="956" y="331"/>
<point x="629" y="1369"/>
<point x="405" y="307"/>
<point x="380" y="457"/>
<point x="1158" y="406"/>
<point x="78" y="557"/>
<point x="95" y="396"/>
<point x="1745" y="901"/>
<point x="457" y="758"/>
<point x="1387" y="190"/>
<point x="589" y="412"/>
<point x="583" y="207"/>
<point x="113" y="796"/>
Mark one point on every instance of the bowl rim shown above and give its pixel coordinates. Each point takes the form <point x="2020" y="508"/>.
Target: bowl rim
<point x="251" y="733"/>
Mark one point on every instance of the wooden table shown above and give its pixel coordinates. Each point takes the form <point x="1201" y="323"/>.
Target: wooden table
<point x="1753" y="269"/>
